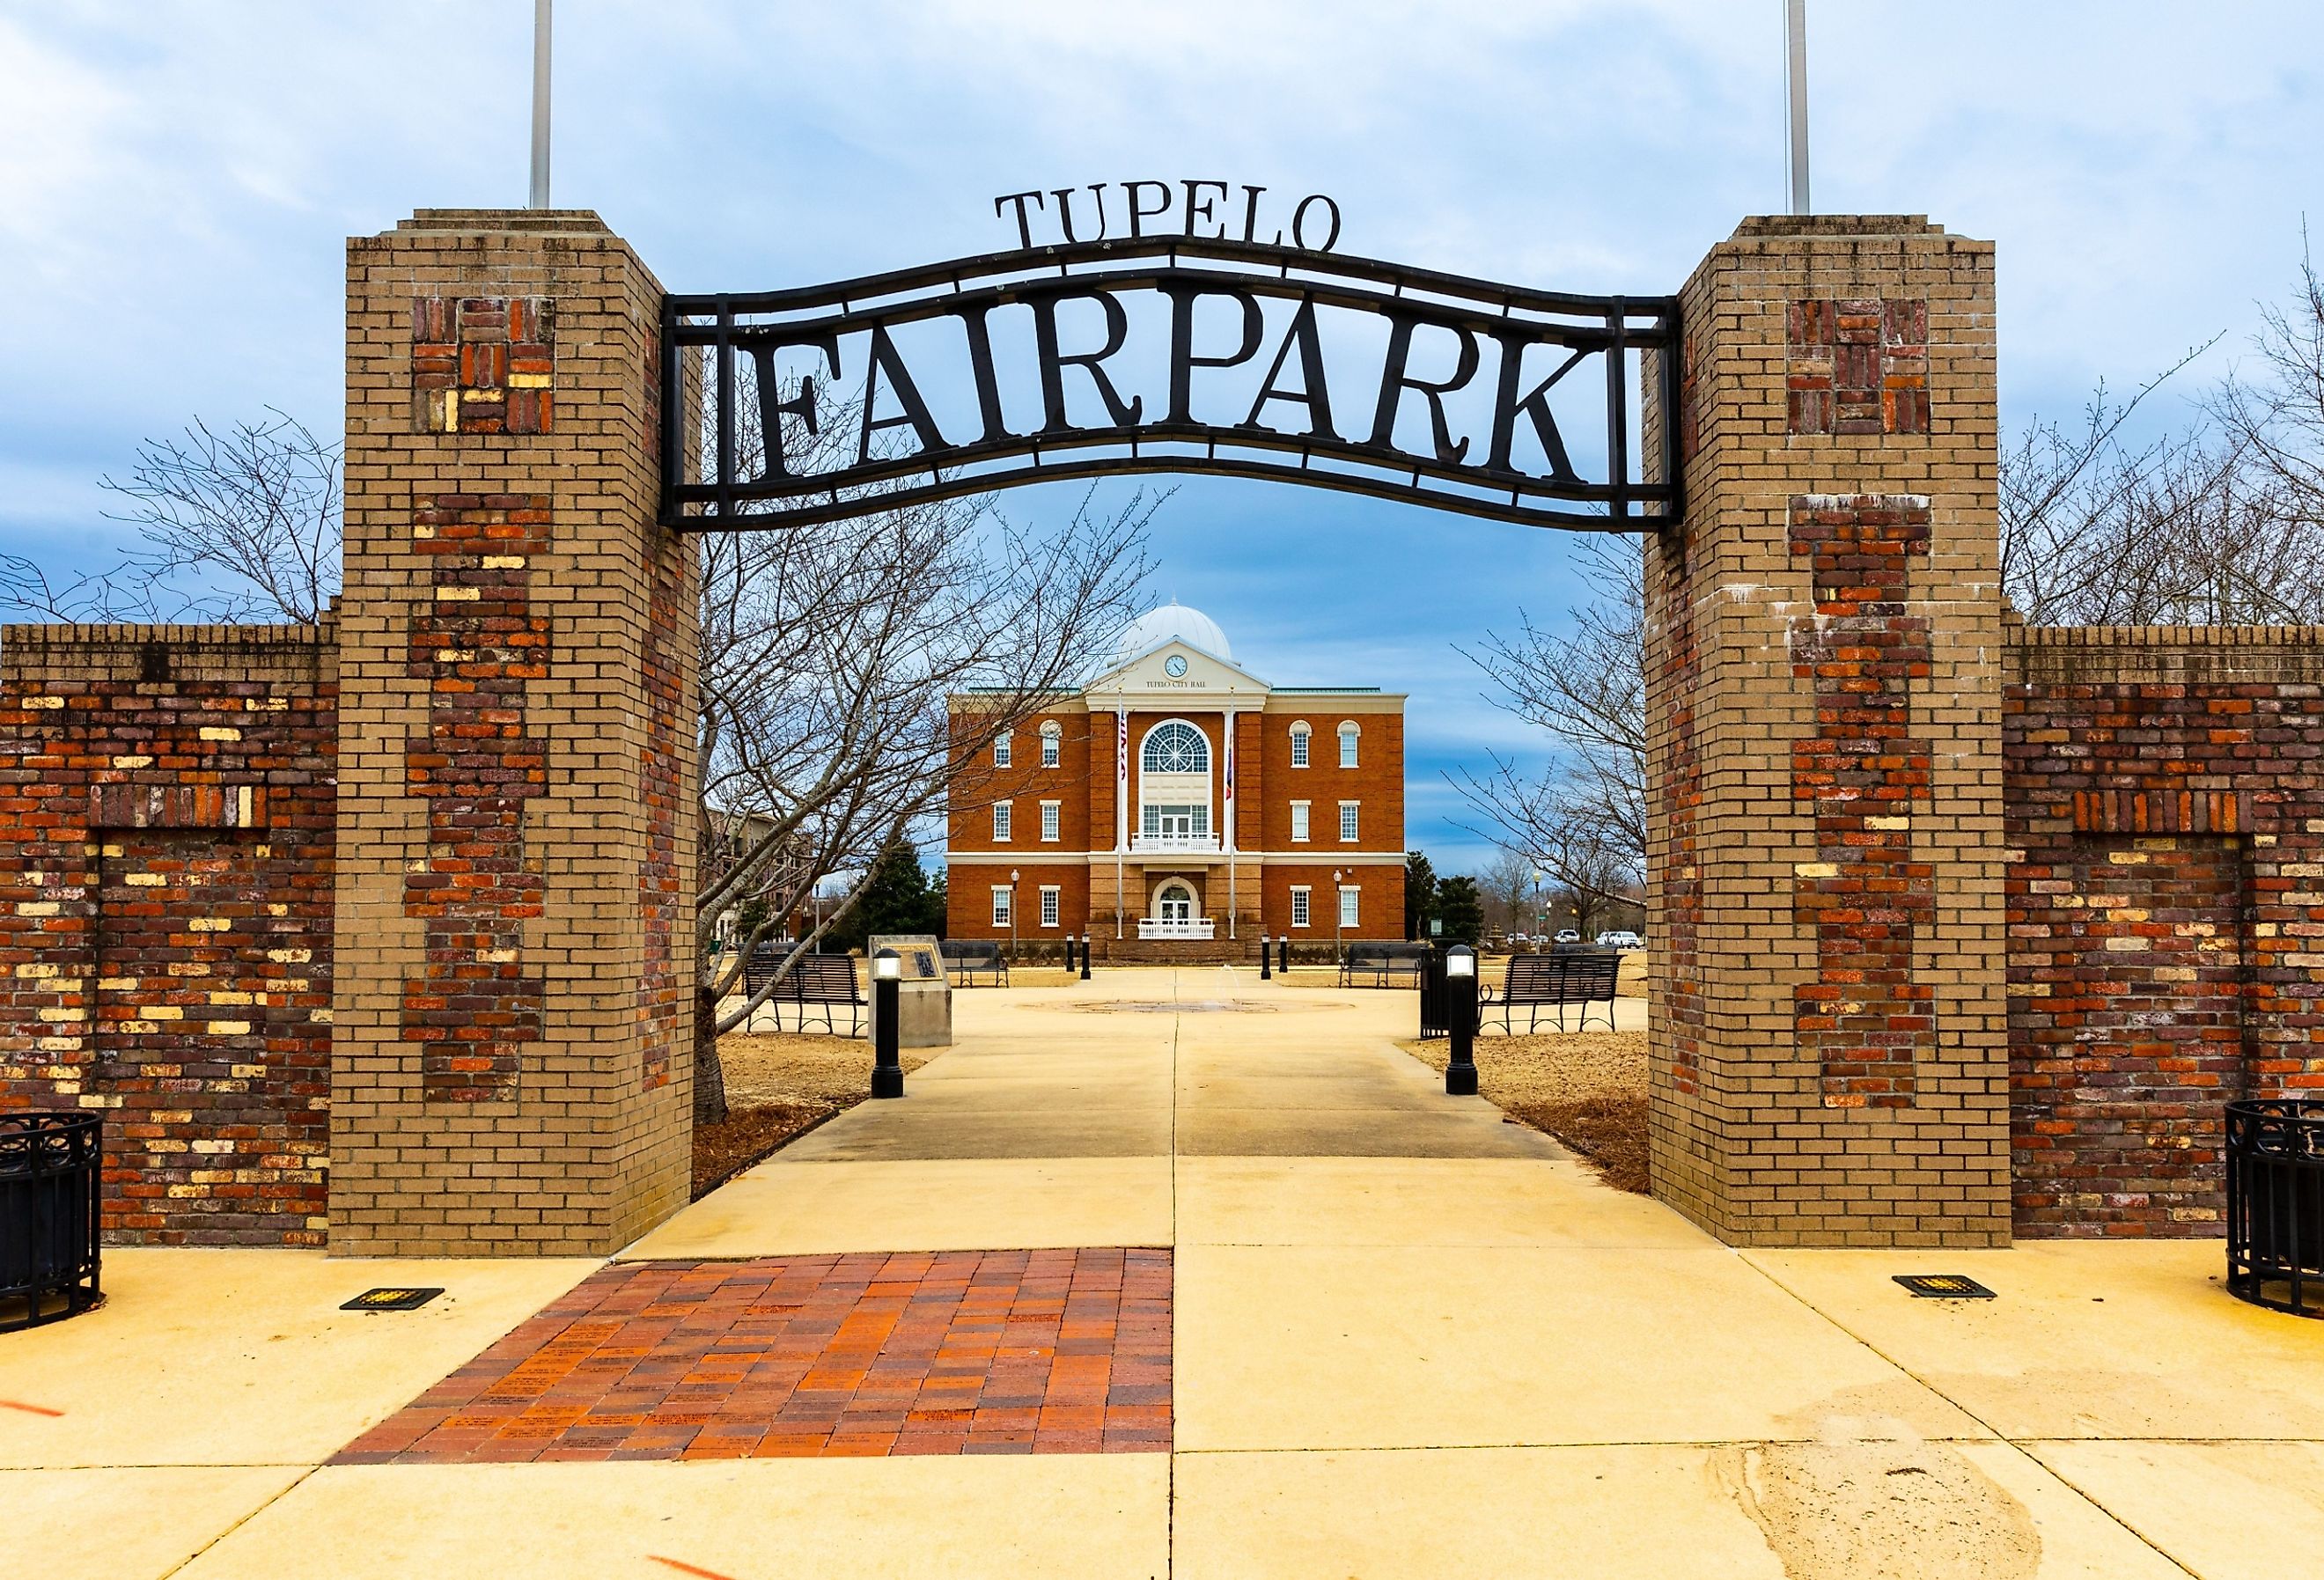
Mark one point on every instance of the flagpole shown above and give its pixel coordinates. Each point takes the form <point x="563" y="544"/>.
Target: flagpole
<point x="1796" y="52"/>
<point x="540" y="195"/>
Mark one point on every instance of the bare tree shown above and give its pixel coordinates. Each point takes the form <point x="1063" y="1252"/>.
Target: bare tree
<point x="2215" y="524"/>
<point x="232" y="526"/>
<point x="2276" y="421"/>
<point x="1507" y="885"/>
<point x="1581" y="820"/>
<point x="828" y="658"/>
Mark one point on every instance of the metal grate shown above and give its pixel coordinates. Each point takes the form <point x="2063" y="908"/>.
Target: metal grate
<point x="391" y="1299"/>
<point x="1944" y="1286"/>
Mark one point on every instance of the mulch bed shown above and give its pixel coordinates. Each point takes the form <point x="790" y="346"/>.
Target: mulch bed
<point x="1608" y="1133"/>
<point x="1586" y="1088"/>
<point x="748" y="1136"/>
<point x="779" y="1086"/>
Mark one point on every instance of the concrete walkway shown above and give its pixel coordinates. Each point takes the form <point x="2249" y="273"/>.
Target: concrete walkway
<point x="1409" y="1339"/>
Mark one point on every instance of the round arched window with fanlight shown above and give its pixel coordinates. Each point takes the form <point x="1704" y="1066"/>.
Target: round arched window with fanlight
<point x="1176" y="746"/>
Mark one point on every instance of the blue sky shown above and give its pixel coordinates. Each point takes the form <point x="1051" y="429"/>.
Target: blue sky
<point x="176" y="180"/>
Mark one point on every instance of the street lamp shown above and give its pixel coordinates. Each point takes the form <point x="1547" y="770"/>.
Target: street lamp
<point x="1338" y="910"/>
<point x="1012" y="910"/>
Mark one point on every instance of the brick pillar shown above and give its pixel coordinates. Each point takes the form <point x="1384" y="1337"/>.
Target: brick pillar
<point x="1830" y="1056"/>
<point x="512" y="1064"/>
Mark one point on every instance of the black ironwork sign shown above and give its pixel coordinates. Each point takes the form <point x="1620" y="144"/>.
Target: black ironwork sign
<point x="1169" y="353"/>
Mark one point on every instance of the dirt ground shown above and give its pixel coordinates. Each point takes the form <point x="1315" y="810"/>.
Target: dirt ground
<point x="1586" y="1088"/>
<point x="778" y="1086"/>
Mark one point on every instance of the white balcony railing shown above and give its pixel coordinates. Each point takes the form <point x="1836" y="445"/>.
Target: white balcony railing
<point x="1173" y="845"/>
<point x="1200" y="927"/>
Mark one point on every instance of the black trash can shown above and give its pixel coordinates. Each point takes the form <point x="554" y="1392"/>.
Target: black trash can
<point x="1435" y="1001"/>
<point x="49" y="1166"/>
<point x="2275" y="1203"/>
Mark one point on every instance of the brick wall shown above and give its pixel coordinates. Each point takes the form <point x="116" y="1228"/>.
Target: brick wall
<point x="2166" y="910"/>
<point x="167" y="800"/>
<point x="1864" y="1017"/>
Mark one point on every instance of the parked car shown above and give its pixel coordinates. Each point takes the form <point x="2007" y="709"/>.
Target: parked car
<point x="1567" y="936"/>
<point x="1620" y="939"/>
<point x="1519" y="938"/>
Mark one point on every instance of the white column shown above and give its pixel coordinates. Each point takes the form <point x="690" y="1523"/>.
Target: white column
<point x="1229" y="819"/>
<point x="1120" y="807"/>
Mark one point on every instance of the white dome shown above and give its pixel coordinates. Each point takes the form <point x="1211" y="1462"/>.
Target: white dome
<point x="1174" y="622"/>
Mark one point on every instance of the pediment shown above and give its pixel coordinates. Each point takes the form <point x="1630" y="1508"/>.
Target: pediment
<point x="1149" y="676"/>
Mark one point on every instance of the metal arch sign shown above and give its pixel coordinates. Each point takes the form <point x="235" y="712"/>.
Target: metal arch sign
<point x="1169" y="354"/>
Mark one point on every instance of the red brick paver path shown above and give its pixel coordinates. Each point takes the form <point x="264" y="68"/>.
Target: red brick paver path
<point x="971" y="1352"/>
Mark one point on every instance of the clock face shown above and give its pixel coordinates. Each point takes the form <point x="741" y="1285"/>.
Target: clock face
<point x="1174" y="666"/>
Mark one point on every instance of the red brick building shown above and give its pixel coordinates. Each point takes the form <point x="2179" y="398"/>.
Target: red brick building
<point x="1180" y="802"/>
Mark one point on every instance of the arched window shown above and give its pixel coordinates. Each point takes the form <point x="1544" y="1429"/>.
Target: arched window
<point x="1052" y="744"/>
<point x="1348" y="736"/>
<point x="1176" y="746"/>
<point x="1299" y="733"/>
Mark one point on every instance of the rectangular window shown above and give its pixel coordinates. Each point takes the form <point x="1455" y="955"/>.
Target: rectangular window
<point x="1298" y="822"/>
<point x="1299" y="749"/>
<point x="1000" y="749"/>
<point x="1049" y="813"/>
<point x="1000" y="912"/>
<point x="1000" y="810"/>
<point x="1299" y="908"/>
<point x="1050" y="899"/>
<point x="1051" y="747"/>
<point x="1347" y="748"/>
<point x="1348" y="905"/>
<point x="1348" y="820"/>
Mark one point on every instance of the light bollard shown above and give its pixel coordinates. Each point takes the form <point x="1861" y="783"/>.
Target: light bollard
<point x="1264" y="973"/>
<point x="887" y="996"/>
<point x="1461" y="1017"/>
<point x="1086" y="955"/>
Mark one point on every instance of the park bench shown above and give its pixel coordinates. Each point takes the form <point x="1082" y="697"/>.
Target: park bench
<point x="1379" y="965"/>
<point x="965" y="959"/>
<point x="1543" y="982"/>
<point x="818" y="984"/>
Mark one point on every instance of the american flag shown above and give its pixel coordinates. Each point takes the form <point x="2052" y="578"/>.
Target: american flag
<point x="1121" y="748"/>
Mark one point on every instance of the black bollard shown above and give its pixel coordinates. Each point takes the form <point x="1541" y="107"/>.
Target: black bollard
<point x="887" y="995"/>
<point x="1263" y="974"/>
<point x="1085" y="952"/>
<point x="1283" y="957"/>
<point x="1461" y="1006"/>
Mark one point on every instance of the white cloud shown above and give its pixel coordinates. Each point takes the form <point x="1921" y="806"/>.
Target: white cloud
<point x="177" y="176"/>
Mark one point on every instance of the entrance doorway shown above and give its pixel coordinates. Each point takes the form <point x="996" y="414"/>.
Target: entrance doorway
<point x="1177" y="914"/>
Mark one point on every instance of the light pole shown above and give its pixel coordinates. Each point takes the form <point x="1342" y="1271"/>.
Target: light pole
<point x="1338" y="911"/>
<point x="536" y="197"/>
<point x="1012" y="910"/>
<point x="1796" y="96"/>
